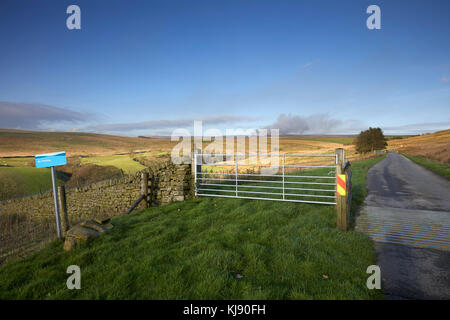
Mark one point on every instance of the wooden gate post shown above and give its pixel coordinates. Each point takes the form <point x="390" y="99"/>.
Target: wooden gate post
<point x="63" y="206"/>
<point x="152" y="193"/>
<point x="341" y="201"/>
<point x="348" y="200"/>
<point x="144" y="187"/>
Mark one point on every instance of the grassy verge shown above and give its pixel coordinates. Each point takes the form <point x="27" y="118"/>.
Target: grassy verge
<point x="207" y="248"/>
<point x="440" y="168"/>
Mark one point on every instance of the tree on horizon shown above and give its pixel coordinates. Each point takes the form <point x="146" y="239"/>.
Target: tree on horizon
<point x="370" y="140"/>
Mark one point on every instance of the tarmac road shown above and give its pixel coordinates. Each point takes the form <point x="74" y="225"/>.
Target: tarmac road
<point x="407" y="214"/>
<point x="398" y="182"/>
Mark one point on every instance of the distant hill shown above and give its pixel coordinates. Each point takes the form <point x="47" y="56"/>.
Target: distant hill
<point x="29" y="143"/>
<point x="432" y="146"/>
<point x="16" y="143"/>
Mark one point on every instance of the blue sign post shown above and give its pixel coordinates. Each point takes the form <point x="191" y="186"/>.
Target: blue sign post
<point x="51" y="160"/>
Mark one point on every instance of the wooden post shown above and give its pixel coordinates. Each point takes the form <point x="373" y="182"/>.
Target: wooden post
<point x="348" y="175"/>
<point x="63" y="206"/>
<point x="152" y="190"/>
<point x="341" y="201"/>
<point x="55" y="198"/>
<point x="144" y="187"/>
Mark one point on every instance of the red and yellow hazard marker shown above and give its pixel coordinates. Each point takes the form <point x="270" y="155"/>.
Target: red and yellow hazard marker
<point x="341" y="185"/>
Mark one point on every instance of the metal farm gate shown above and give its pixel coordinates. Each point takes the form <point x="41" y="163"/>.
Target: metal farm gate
<point x="308" y="178"/>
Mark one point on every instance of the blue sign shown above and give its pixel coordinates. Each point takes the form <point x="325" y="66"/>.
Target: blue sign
<point x="50" y="159"/>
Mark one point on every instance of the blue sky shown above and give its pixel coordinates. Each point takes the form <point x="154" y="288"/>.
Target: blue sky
<point x="146" y="67"/>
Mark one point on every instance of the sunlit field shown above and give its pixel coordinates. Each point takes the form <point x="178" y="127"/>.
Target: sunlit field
<point x="209" y="248"/>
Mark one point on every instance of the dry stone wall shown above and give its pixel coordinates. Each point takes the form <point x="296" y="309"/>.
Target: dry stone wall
<point x="170" y="183"/>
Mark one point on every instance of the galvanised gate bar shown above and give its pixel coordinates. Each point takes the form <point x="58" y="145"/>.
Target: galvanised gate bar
<point x="308" y="178"/>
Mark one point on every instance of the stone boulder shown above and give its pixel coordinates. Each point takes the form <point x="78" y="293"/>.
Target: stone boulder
<point x="86" y="230"/>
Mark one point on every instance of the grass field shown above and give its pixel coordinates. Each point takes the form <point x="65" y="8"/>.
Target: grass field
<point x="29" y="143"/>
<point x="17" y="162"/>
<point x="18" y="181"/>
<point x="433" y="165"/>
<point x="208" y="248"/>
<point x="123" y="162"/>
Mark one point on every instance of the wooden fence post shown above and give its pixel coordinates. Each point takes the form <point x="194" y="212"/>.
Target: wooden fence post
<point x="348" y="175"/>
<point x="144" y="187"/>
<point x="341" y="201"/>
<point x="63" y="206"/>
<point x="152" y="194"/>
